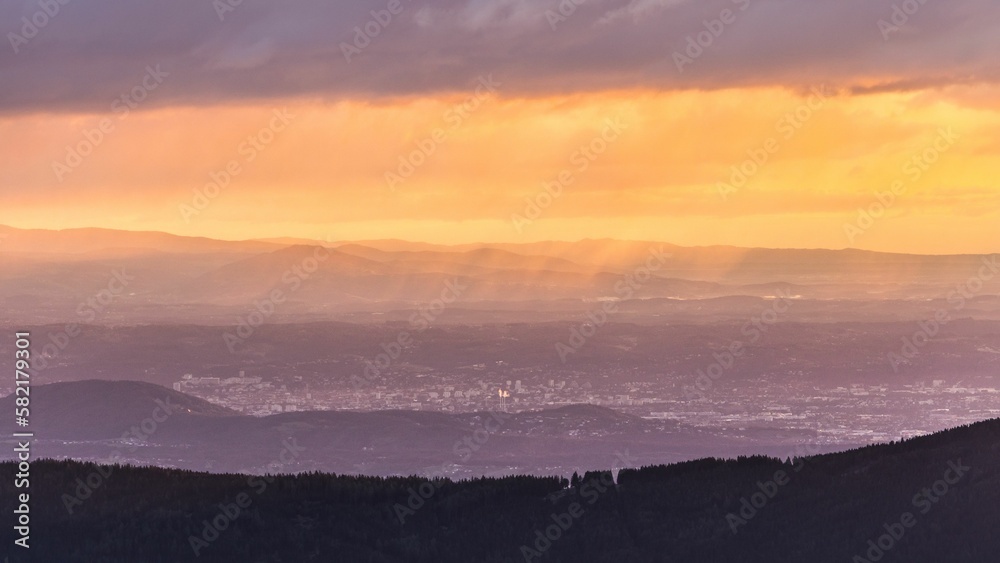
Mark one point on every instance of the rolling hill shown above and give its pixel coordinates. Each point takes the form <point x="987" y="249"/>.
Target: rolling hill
<point x="145" y="424"/>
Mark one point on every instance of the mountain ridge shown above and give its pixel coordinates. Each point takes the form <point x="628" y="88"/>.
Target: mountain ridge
<point x="923" y="500"/>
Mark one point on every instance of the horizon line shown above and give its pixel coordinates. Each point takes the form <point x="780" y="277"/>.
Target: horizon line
<point x="277" y="239"/>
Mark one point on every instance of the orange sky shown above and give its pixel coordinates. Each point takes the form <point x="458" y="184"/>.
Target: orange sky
<point x="324" y="174"/>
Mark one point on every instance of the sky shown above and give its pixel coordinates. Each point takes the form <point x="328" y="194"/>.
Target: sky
<point x="777" y="123"/>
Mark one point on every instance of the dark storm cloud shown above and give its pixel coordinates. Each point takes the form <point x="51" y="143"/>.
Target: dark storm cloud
<point x="87" y="53"/>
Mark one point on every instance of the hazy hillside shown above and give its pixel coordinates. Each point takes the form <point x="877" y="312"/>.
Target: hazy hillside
<point x="146" y="424"/>
<point x="94" y="240"/>
<point x="104" y="410"/>
<point x="51" y="276"/>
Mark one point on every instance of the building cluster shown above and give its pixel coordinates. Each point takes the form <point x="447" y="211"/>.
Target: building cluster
<point x="844" y="413"/>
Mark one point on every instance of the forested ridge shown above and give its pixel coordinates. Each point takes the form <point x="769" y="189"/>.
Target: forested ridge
<point x="818" y="509"/>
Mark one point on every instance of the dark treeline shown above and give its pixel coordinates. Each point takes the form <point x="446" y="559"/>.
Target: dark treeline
<point x="838" y="507"/>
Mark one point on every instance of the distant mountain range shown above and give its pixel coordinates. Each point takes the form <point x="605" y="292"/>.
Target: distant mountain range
<point x="927" y="500"/>
<point x="143" y="423"/>
<point x="48" y="276"/>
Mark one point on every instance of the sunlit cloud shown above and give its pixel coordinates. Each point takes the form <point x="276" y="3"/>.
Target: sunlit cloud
<point x="659" y="180"/>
